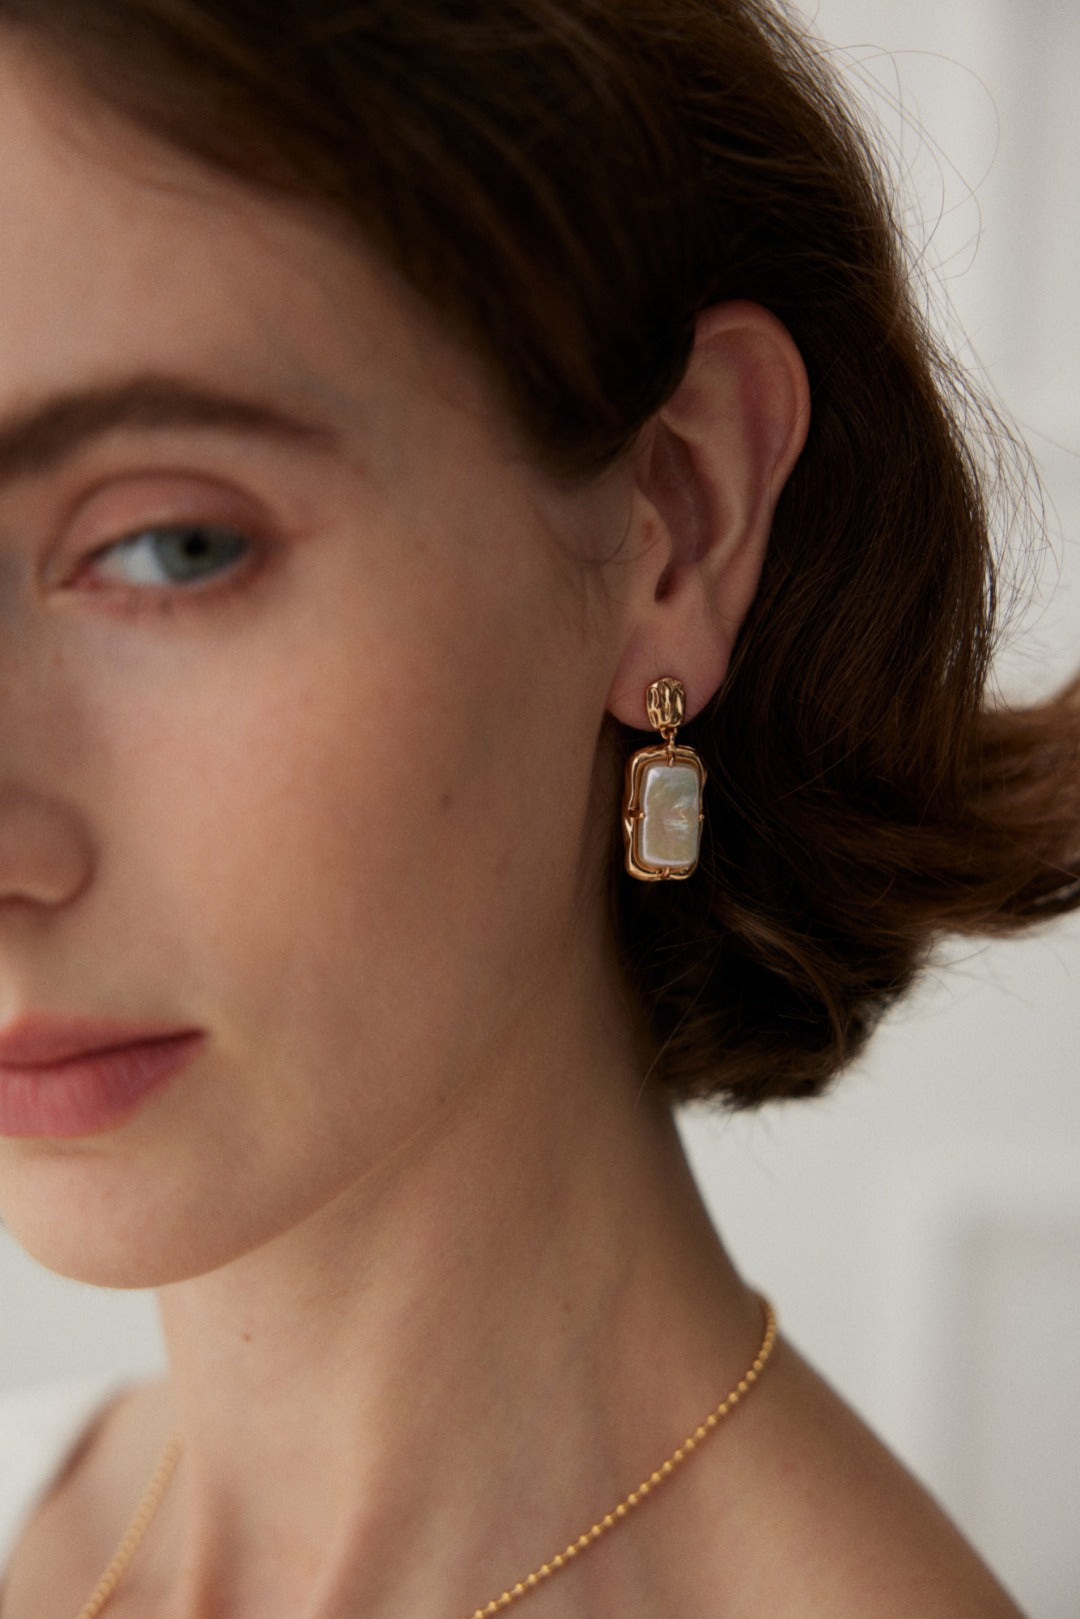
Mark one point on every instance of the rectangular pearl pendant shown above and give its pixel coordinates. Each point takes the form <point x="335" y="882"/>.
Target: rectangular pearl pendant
<point x="664" y="815"/>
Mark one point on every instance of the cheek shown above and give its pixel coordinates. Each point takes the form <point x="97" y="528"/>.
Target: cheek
<point x="336" y="848"/>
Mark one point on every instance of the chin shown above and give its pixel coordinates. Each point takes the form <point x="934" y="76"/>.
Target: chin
<point x="79" y="1258"/>
<point x="87" y="1221"/>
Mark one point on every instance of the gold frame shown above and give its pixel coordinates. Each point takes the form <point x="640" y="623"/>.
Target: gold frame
<point x="633" y="814"/>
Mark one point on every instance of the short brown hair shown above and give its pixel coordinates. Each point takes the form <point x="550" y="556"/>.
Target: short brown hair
<point x="569" y="183"/>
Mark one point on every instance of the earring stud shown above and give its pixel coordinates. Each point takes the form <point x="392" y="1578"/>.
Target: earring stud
<point x="662" y="804"/>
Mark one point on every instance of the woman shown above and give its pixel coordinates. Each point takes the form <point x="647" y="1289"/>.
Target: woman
<point x="392" y="398"/>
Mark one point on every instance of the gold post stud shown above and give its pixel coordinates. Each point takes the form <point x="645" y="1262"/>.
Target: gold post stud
<point x="665" y="702"/>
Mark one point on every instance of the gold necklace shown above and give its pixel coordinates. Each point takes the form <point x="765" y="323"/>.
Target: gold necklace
<point x="150" y="1502"/>
<point x="136" y="1529"/>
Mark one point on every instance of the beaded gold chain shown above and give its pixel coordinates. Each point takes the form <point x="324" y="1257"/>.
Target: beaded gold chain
<point x="135" y="1531"/>
<point x="647" y="1486"/>
<point x="150" y="1502"/>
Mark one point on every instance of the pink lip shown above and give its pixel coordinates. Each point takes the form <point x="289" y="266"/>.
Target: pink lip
<point x="78" y="1077"/>
<point x="37" y="1039"/>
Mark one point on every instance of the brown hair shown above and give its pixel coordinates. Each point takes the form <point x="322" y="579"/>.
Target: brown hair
<point x="569" y="182"/>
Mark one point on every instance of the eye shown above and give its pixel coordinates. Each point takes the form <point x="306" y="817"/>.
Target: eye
<point x="177" y="554"/>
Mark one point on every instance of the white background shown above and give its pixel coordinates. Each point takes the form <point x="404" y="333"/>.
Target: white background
<point x="919" y="1229"/>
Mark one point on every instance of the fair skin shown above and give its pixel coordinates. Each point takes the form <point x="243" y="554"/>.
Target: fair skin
<point x="437" y="1286"/>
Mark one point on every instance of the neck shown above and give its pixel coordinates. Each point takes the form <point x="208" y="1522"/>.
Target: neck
<point x="425" y="1387"/>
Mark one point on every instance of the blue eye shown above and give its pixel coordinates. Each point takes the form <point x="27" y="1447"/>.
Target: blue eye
<point x="179" y="554"/>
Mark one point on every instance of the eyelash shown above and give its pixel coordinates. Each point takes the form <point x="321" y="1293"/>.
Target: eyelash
<point x="166" y="599"/>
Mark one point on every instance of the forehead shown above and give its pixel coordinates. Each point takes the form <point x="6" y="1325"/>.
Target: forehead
<point x="120" y="256"/>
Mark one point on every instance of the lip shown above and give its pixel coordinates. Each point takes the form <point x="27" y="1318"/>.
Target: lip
<point x="37" y="1040"/>
<point x="63" y="1079"/>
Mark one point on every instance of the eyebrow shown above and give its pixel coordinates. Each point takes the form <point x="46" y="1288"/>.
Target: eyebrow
<point x="43" y="436"/>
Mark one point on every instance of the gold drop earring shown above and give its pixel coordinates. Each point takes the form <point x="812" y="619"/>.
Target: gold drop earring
<point x="662" y="807"/>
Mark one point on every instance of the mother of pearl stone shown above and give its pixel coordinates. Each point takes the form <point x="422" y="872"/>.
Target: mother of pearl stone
<point x="670" y="832"/>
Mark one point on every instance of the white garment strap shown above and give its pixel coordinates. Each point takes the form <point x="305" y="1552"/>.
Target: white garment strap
<point x="40" y="1428"/>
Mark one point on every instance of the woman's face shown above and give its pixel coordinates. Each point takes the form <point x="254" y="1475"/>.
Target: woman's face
<point x="313" y="778"/>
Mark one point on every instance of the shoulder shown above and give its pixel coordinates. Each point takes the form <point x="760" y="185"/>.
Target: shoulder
<point x="830" y="1522"/>
<point x="40" y="1427"/>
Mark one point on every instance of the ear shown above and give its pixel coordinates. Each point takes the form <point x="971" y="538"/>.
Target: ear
<point x="708" y="471"/>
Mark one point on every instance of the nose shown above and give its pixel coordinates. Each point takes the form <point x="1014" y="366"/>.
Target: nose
<point x="45" y="853"/>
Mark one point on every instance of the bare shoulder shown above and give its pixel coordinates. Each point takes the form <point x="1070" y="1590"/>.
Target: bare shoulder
<point x="829" y="1523"/>
<point x="73" y="1534"/>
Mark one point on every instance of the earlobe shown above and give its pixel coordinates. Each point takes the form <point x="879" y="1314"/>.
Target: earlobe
<point x="709" y="470"/>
